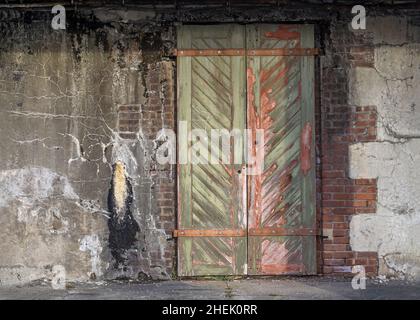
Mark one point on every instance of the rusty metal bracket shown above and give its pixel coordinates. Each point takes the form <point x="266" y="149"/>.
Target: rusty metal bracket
<point x="283" y="52"/>
<point x="273" y="231"/>
<point x="208" y="52"/>
<point x="210" y="233"/>
<point x="243" y="52"/>
<point x="270" y="231"/>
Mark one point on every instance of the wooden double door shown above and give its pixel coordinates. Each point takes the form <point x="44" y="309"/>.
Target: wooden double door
<point x="254" y="214"/>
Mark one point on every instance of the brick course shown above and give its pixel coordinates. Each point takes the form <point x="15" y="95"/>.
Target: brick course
<point x="342" y="125"/>
<point x="159" y="113"/>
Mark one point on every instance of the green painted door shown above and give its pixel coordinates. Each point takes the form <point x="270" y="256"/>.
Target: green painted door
<point x="230" y="222"/>
<point x="281" y="207"/>
<point x="211" y="95"/>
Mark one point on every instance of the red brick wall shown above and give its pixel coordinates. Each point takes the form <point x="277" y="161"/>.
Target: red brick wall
<point x="128" y="121"/>
<point x="341" y="125"/>
<point x="158" y="112"/>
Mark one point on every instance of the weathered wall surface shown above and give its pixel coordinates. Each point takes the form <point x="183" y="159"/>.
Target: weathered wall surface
<point x="80" y="110"/>
<point x="392" y="85"/>
<point x="80" y="113"/>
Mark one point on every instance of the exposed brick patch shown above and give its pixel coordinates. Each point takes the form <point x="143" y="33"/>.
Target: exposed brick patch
<point x="157" y="114"/>
<point x="167" y="205"/>
<point x="343" y="125"/>
<point x="362" y="56"/>
<point x="128" y="121"/>
<point x="343" y="198"/>
<point x="363" y="124"/>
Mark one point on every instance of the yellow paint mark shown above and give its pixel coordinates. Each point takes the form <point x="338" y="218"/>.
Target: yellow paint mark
<point x="120" y="187"/>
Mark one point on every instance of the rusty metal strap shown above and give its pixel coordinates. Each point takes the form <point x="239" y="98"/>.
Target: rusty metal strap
<point x="208" y="52"/>
<point x="283" y="232"/>
<point x="244" y="233"/>
<point x="243" y="52"/>
<point x="283" y="52"/>
<point x="210" y="233"/>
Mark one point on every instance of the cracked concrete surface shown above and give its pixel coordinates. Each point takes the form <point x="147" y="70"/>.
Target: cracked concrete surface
<point x="59" y="98"/>
<point x="393" y="87"/>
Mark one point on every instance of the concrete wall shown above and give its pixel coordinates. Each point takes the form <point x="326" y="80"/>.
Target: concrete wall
<point x="73" y="104"/>
<point x="392" y="85"/>
<point x="80" y="113"/>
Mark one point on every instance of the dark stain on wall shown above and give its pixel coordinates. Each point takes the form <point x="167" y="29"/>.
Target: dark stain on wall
<point x="151" y="46"/>
<point x="123" y="228"/>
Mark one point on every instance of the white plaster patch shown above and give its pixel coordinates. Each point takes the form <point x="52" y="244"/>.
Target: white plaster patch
<point x="121" y="153"/>
<point x="396" y="238"/>
<point x="394" y="231"/>
<point x="92" y="244"/>
<point x="396" y="167"/>
<point x="392" y="86"/>
<point x="46" y="216"/>
<point x="33" y="183"/>
<point x="20" y="274"/>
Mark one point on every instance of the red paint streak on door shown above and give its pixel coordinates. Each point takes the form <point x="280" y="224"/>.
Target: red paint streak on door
<point x="254" y="182"/>
<point x="277" y="259"/>
<point x="305" y="148"/>
<point x="284" y="32"/>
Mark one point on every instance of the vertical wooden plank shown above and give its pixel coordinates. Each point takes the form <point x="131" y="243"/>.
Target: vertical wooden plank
<point x="253" y="123"/>
<point x="216" y="101"/>
<point x="238" y="76"/>
<point x="279" y="103"/>
<point x="184" y="166"/>
<point x="308" y="121"/>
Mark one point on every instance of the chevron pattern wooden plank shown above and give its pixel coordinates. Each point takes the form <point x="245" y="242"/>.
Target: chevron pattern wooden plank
<point x="216" y="193"/>
<point x="275" y="104"/>
<point x="273" y="93"/>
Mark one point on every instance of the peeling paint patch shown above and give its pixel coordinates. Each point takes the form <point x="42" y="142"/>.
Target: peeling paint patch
<point x="120" y="188"/>
<point x="33" y="183"/>
<point x="305" y="148"/>
<point x="284" y="32"/>
<point x="394" y="237"/>
<point x="92" y="244"/>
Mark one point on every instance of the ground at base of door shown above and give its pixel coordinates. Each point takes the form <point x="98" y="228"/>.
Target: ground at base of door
<point x="264" y="289"/>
